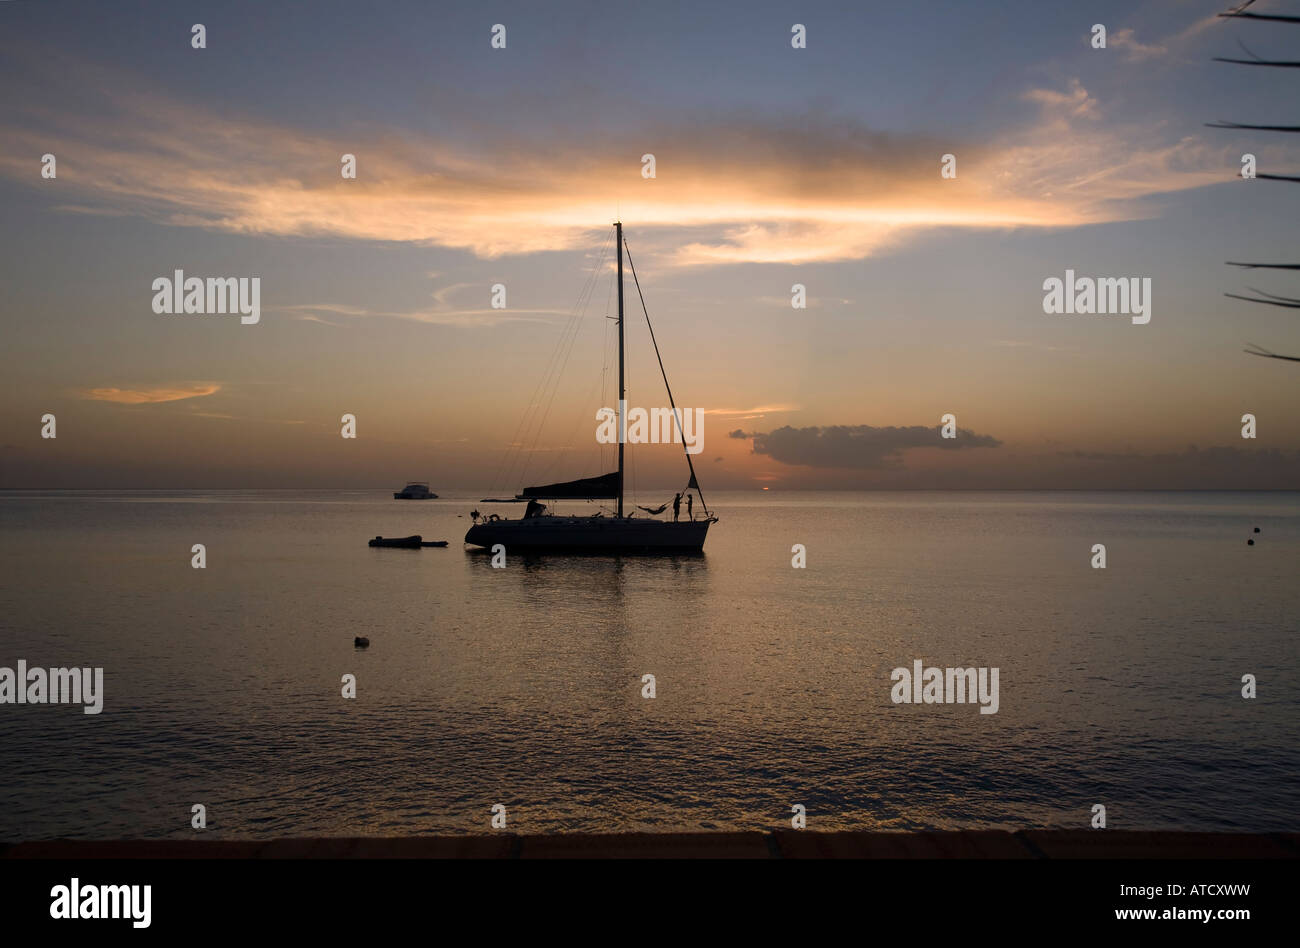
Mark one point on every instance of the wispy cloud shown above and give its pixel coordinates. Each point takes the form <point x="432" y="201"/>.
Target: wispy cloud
<point x="733" y="188"/>
<point x="462" y="318"/>
<point x="1074" y="102"/>
<point x="309" y="317"/>
<point x="1134" y="51"/>
<point x="812" y="302"/>
<point x="151" y="396"/>
<point x="744" y="414"/>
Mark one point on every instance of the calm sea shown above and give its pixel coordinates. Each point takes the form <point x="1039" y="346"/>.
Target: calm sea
<point x="523" y="686"/>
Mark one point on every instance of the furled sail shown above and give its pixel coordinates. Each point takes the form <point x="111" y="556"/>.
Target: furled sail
<point x="604" y="487"/>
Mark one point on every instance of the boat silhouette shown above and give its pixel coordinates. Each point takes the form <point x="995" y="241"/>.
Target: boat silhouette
<point x="539" y="531"/>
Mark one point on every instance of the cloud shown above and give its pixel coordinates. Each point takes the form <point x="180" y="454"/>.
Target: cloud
<point x="1134" y="51"/>
<point x="812" y="302"/>
<point x="306" y="314"/>
<point x="462" y="318"/>
<point x="440" y="295"/>
<point x="150" y="396"/>
<point x="856" y="446"/>
<point x="1076" y="103"/>
<point x="759" y="411"/>
<point x="734" y="187"/>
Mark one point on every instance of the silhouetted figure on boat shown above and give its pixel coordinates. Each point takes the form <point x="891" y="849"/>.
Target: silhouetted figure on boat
<point x="677" y="507"/>
<point x="534" y="509"/>
<point x="690" y="502"/>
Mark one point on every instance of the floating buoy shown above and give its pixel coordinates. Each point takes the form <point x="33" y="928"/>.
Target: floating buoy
<point x="361" y="642"/>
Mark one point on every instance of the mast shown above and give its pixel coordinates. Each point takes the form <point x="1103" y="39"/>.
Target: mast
<point x="622" y="392"/>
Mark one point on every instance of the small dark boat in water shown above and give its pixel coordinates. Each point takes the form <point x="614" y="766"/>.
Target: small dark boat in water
<point x="405" y="543"/>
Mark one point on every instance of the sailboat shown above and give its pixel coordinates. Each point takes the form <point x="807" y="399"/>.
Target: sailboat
<point x="538" y="531"/>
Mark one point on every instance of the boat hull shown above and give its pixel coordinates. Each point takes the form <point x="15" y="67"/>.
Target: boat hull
<point x="398" y="543"/>
<point x="591" y="535"/>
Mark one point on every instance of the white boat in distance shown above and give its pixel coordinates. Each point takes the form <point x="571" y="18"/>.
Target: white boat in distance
<point x="538" y="531"/>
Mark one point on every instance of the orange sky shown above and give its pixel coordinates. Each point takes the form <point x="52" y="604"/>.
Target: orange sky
<point x="923" y="293"/>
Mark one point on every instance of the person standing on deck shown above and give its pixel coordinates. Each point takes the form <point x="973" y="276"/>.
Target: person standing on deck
<point x="677" y="507"/>
<point x="690" y="502"/>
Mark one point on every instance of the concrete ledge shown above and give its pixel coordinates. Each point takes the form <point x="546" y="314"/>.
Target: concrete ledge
<point x="781" y="844"/>
<point x="964" y="844"/>
<point x="647" y="846"/>
<point x="1088" y="844"/>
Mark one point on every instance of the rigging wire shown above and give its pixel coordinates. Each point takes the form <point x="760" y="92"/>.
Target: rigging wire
<point x="672" y="404"/>
<point x="514" y="457"/>
<point x="559" y="374"/>
<point x="539" y="408"/>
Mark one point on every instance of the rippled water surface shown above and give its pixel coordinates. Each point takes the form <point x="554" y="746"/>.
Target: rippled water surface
<point x="522" y="685"/>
